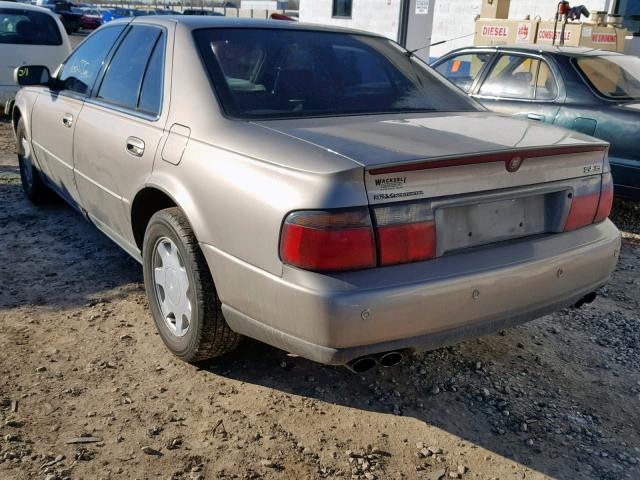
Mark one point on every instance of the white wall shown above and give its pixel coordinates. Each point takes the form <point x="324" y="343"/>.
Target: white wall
<point x="380" y="16"/>
<point x="454" y="18"/>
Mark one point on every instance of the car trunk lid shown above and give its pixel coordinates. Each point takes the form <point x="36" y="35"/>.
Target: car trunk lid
<point x="482" y="178"/>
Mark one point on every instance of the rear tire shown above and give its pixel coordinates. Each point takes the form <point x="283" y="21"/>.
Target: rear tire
<point x="32" y="183"/>
<point x="180" y="289"/>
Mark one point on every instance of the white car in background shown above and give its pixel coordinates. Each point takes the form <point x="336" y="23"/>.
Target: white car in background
<point x="28" y="36"/>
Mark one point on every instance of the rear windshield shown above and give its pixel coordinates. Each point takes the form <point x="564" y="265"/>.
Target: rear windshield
<point x="278" y="73"/>
<point x="615" y="77"/>
<point x="26" y="27"/>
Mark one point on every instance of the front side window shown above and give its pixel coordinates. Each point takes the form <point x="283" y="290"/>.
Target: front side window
<point x="81" y="69"/>
<point x="464" y="69"/>
<point x="513" y="76"/>
<point x="124" y="77"/>
<point x="613" y="76"/>
<point x="281" y="73"/>
<point x="342" y="8"/>
<point x="26" y="27"/>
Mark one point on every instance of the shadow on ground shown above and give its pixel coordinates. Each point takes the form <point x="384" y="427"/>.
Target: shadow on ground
<point x="481" y="391"/>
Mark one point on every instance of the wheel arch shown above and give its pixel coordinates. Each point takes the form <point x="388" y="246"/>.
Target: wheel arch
<point x="145" y="204"/>
<point x="156" y="196"/>
<point x="16" y="115"/>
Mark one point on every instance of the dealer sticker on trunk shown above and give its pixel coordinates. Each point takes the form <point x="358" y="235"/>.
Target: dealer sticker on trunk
<point x="390" y="183"/>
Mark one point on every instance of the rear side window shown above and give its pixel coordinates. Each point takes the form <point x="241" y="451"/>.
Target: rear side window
<point x="25" y="27"/>
<point x="130" y="66"/>
<point x="151" y="94"/>
<point x="521" y="78"/>
<point x="82" y="67"/>
<point x="512" y="76"/>
<point x="463" y="69"/>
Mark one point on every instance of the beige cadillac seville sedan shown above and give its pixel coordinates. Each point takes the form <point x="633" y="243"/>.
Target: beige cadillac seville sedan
<point x="320" y="190"/>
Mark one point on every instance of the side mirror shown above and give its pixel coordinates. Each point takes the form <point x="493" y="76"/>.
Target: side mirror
<point x="32" y="75"/>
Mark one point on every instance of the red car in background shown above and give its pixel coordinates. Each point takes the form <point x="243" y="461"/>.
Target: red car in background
<point x="91" y="18"/>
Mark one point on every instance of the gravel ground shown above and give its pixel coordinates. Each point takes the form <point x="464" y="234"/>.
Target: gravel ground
<point x="87" y="389"/>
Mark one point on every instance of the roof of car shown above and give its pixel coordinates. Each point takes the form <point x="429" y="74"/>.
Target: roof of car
<point x="194" y="22"/>
<point x="553" y="49"/>
<point x="23" y="6"/>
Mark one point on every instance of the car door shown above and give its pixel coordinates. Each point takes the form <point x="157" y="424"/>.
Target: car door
<point x="57" y="110"/>
<point x="120" y="129"/>
<point x="520" y="85"/>
<point x="464" y="68"/>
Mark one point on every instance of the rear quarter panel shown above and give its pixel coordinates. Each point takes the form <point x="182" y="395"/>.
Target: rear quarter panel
<point x="237" y="203"/>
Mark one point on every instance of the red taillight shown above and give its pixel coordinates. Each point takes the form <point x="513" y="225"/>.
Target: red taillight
<point x="582" y="212"/>
<point x="328" y="241"/>
<point x="344" y="240"/>
<point x="606" y="199"/>
<point x="406" y="233"/>
<point x="591" y="207"/>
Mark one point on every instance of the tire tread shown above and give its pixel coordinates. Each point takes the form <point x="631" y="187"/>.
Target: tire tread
<point x="215" y="337"/>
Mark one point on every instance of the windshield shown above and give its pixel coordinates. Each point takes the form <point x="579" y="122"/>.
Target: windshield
<point x="26" y="27"/>
<point x="279" y="73"/>
<point x="614" y="76"/>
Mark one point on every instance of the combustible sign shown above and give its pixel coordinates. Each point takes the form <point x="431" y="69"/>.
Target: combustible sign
<point x="546" y="34"/>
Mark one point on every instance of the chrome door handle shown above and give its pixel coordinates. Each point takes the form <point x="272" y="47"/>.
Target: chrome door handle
<point x="67" y="120"/>
<point x="535" y="116"/>
<point x="135" y="146"/>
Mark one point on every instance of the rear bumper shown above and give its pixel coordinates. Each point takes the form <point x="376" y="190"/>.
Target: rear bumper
<point x="336" y="318"/>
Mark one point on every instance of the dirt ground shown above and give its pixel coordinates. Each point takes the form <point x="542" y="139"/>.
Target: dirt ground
<point x="80" y="361"/>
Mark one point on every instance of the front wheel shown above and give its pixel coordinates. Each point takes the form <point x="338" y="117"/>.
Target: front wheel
<point x="32" y="183"/>
<point x="180" y="289"/>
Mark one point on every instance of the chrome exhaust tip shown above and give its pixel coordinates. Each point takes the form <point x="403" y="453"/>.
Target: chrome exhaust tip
<point x="362" y="364"/>
<point x="390" y="359"/>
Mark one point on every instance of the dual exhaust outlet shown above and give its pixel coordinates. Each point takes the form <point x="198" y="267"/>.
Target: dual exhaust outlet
<point x="392" y="358"/>
<point x="386" y="359"/>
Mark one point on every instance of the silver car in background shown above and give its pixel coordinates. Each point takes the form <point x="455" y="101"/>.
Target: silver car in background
<point x="320" y="190"/>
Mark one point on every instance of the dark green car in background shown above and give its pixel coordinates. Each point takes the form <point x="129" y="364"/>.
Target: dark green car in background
<point x="595" y="92"/>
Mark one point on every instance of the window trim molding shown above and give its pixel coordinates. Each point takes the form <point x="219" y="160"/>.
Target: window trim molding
<point x="93" y="98"/>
